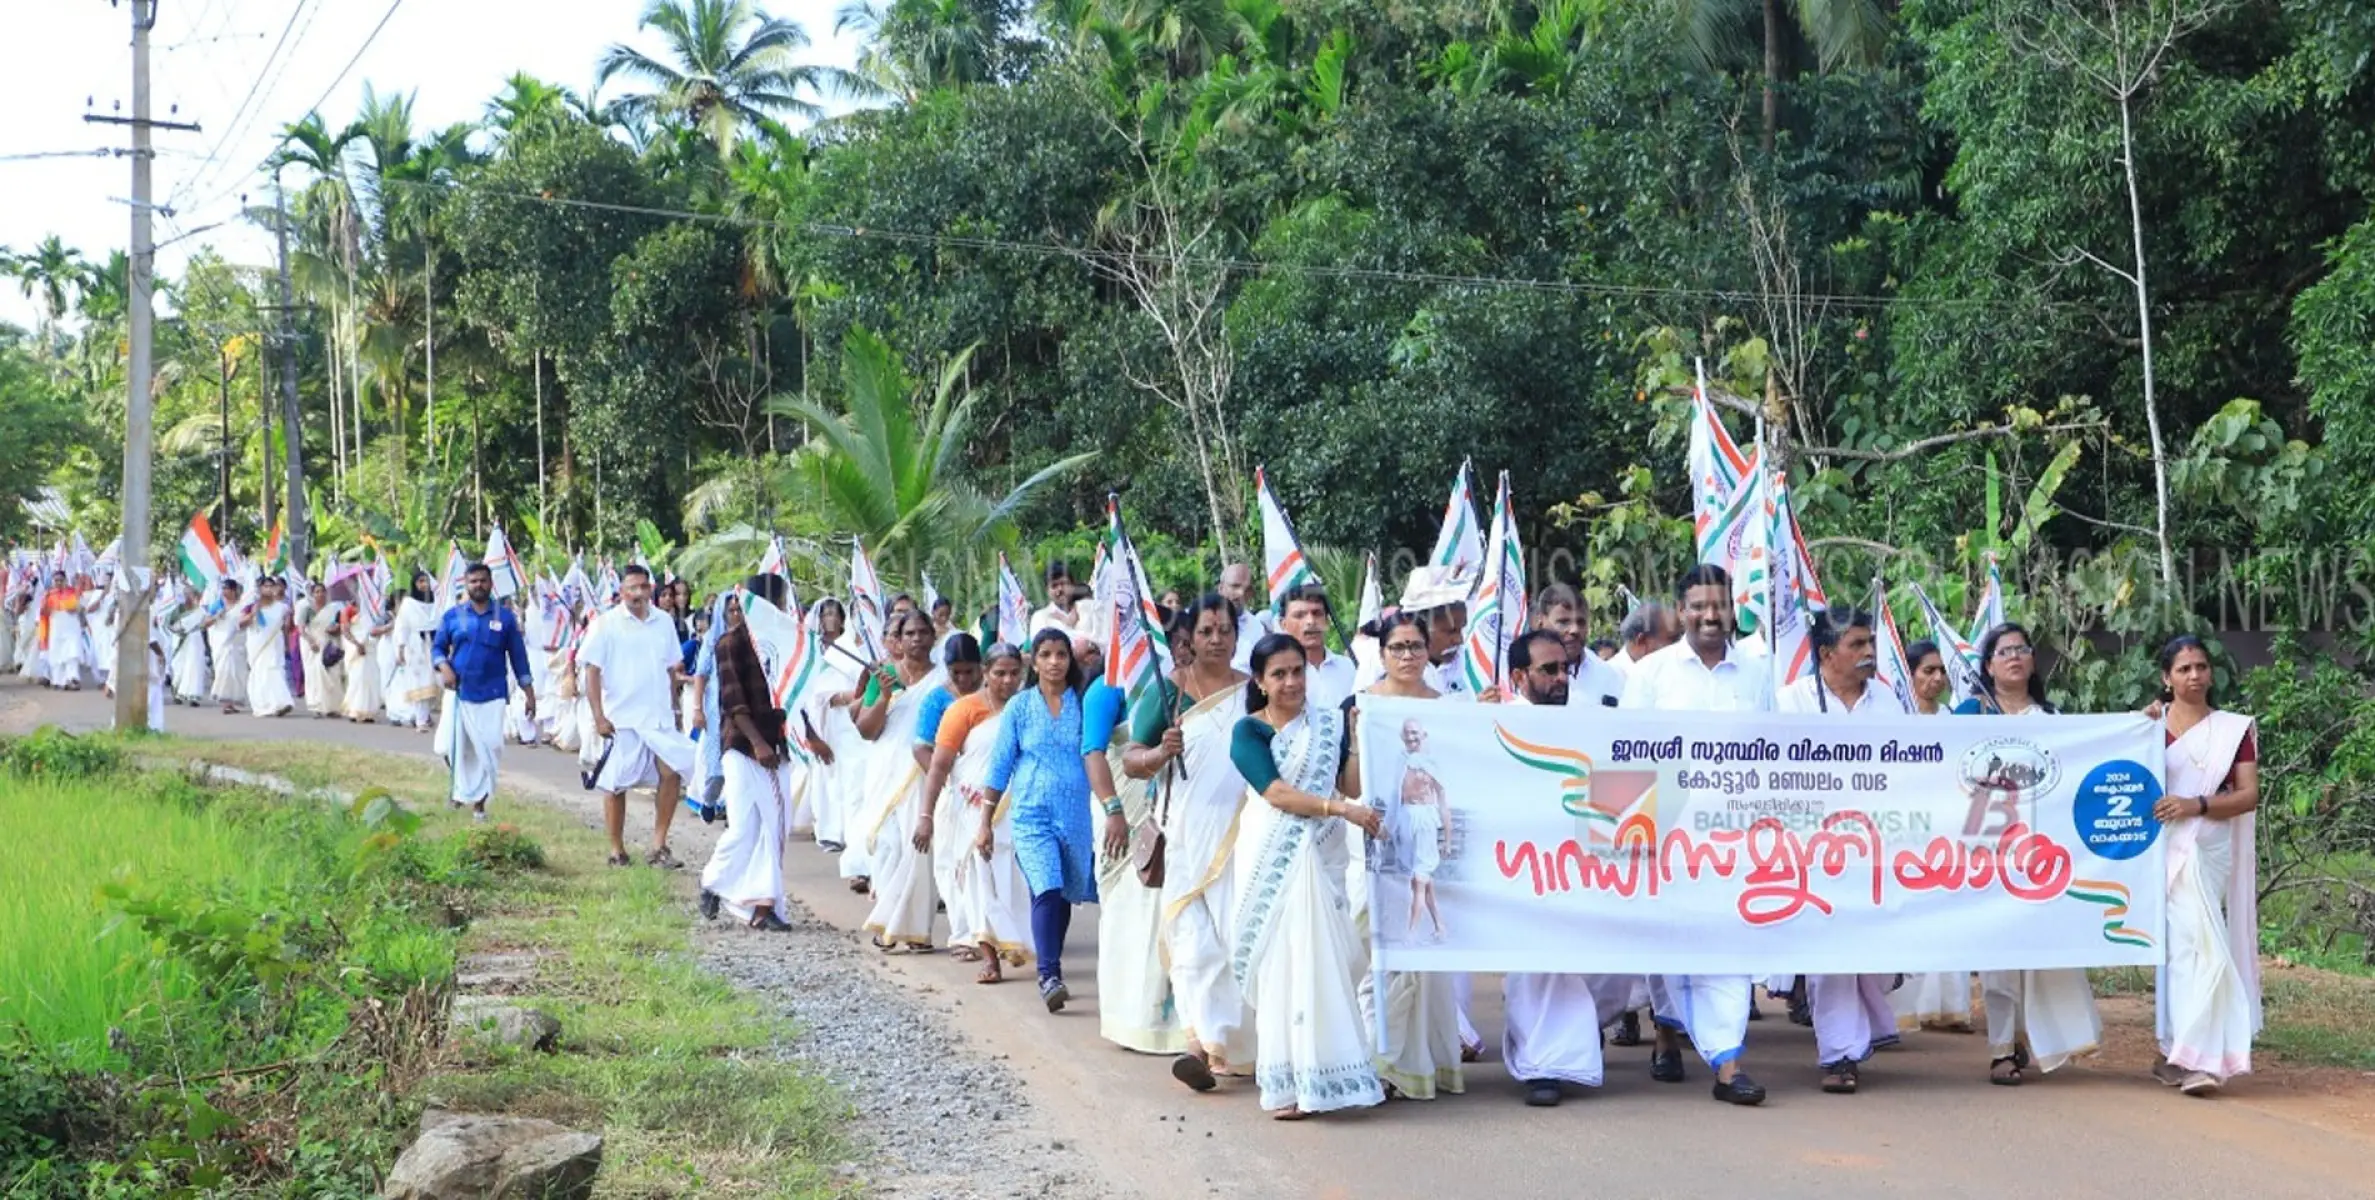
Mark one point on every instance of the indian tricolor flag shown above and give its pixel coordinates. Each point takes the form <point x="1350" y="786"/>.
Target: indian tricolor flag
<point x="1991" y="603"/>
<point x="503" y="563"/>
<point x="1499" y="614"/>
<point x="1283" y="564"/>
<point x="201" y="558"/>
<point x="1014" y="606"/>
<point x="276" y="550"/>
<point x="1716" y="463"/>
<point x="1137" y="649"/>
<point x="1459" y="544"/>
<point x="788" y="649"/>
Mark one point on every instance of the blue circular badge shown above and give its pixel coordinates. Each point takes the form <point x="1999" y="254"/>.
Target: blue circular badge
<point x="2113" y="809"/>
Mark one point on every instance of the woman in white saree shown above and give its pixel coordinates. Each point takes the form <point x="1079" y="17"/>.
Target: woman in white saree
<point x="362" y="699"/>
<point x="2208" y="998"/>
<point x="887" y="715"/>
<point x="1180" y="736"/>
<point x="989" y="903"/>
<point x="2034" y="1018"/>
<point x="413" y="692"/>
<point x="1294" y="953"/>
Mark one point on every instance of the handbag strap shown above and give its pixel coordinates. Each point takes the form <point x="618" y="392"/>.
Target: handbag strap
<point x="1171" y="770"/>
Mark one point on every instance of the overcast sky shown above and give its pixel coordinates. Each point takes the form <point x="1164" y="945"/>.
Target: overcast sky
<point x="207" y="55"/>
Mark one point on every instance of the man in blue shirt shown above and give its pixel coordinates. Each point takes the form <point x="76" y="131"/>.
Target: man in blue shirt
<point x="475" y="641"/>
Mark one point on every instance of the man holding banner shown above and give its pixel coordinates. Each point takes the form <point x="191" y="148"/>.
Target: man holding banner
<point x="1704" y="672"/>
<point x="1552" y="1035"/>
<point x="1852" y="1013"/>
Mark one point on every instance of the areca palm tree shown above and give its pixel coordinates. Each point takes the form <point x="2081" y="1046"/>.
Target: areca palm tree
<point x="529" y="107"/>
<point x="728" y="64"/>
<point x="51" y="275"/>
<point x="888" y="466"/>
<point x="1771" y="36"/>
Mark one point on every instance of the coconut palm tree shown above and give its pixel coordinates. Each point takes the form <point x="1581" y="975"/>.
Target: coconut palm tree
<point x="729" y="64"/>
<point x="919" y="46"/>
<point x="888" y="465"/>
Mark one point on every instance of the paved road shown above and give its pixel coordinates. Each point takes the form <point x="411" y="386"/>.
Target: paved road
<point x="1927" y="1123"/>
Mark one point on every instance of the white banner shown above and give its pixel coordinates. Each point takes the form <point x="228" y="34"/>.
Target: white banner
<point x="1603" y="840"/>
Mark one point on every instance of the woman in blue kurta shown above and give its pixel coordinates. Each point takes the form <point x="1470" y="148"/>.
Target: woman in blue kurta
<point x="1038" y="758"/>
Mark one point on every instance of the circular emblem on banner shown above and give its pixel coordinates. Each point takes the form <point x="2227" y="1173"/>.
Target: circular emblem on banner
<point x="2010" y="764"/>
<point x="2113" y="809"/>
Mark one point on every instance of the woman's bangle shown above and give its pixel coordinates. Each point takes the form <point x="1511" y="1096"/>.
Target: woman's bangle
<point x="2204" y="803"/>
<point x="1113" y="807"/>
<point x="1327" y="808"/>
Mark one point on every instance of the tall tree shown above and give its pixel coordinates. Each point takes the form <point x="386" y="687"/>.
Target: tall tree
<point x="728" y="64"/>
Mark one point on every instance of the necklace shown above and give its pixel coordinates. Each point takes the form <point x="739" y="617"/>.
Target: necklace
<point x="2198" y="754"/>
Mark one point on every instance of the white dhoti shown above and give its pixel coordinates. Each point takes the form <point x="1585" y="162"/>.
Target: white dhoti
<point x="1852" y="1016"/>
<point x="1934" y="1000"/>
<point x="2053" y="1011"/>
<point x="636" y="756"/>
<point x="471" y="738"/>
<point x="1713" y="1009"/>
<point x="1553" y="1026"/>
<point x="746" y="870"/>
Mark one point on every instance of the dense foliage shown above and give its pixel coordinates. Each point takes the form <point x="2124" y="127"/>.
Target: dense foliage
<point x="1147" y="245"/>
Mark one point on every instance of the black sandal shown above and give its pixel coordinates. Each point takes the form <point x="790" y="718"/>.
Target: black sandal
<point x="1194" y="1072"/>
<point x="2009" y="1078"/>
<point x="1839" y="1078"/>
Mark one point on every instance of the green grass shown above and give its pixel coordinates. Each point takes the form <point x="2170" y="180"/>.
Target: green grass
<point x="70" y="969"/>
<point x="674" y="1067"/>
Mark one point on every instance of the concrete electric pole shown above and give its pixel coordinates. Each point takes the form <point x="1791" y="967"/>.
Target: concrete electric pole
<point x="131" y="662"/>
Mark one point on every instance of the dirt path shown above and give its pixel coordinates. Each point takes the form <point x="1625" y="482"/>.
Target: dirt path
<point x="1927" y="1122"/>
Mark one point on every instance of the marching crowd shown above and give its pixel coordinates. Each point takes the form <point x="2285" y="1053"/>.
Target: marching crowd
<point x="978" y="791"/>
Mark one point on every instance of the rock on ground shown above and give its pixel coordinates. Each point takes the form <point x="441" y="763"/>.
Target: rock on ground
<point x="492" y="1020"/>
<point x="468" y="1156"/>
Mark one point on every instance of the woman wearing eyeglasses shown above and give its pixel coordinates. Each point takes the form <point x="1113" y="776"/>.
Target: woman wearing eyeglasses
<point x="2034" y="1018"/>
<point x="1179" y="739"/>
<point x="890" y="805"/>
<point x="1421" y="1052"/>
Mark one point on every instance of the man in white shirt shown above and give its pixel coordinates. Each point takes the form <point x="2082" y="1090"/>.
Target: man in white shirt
<point x="1236" y="586"/>
<point x="632" y="665"/>
<point x="1701" y="673"/>
<point x="1647" y="629"/>
<point x="1852" y="1013"/>
<point x="1305" y="618"/>
<point x="1058" y="614"/>
<point x="1553" y="1021"/>
<point x="1591" y="682"/>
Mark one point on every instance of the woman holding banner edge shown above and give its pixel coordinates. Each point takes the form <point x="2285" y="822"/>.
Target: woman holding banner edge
<point x="2034" y="1018"/>
<point x="1293" y="952"/>
<point x="2207" y="999"/>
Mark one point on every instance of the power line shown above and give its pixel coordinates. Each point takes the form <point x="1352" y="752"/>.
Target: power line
<point x="358" y="57"/>
<point x="232" y="128"/>
<point x="1257" y="267"/>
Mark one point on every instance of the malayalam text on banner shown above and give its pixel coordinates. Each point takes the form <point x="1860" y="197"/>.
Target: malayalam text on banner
<point x="1598" y="840"/>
